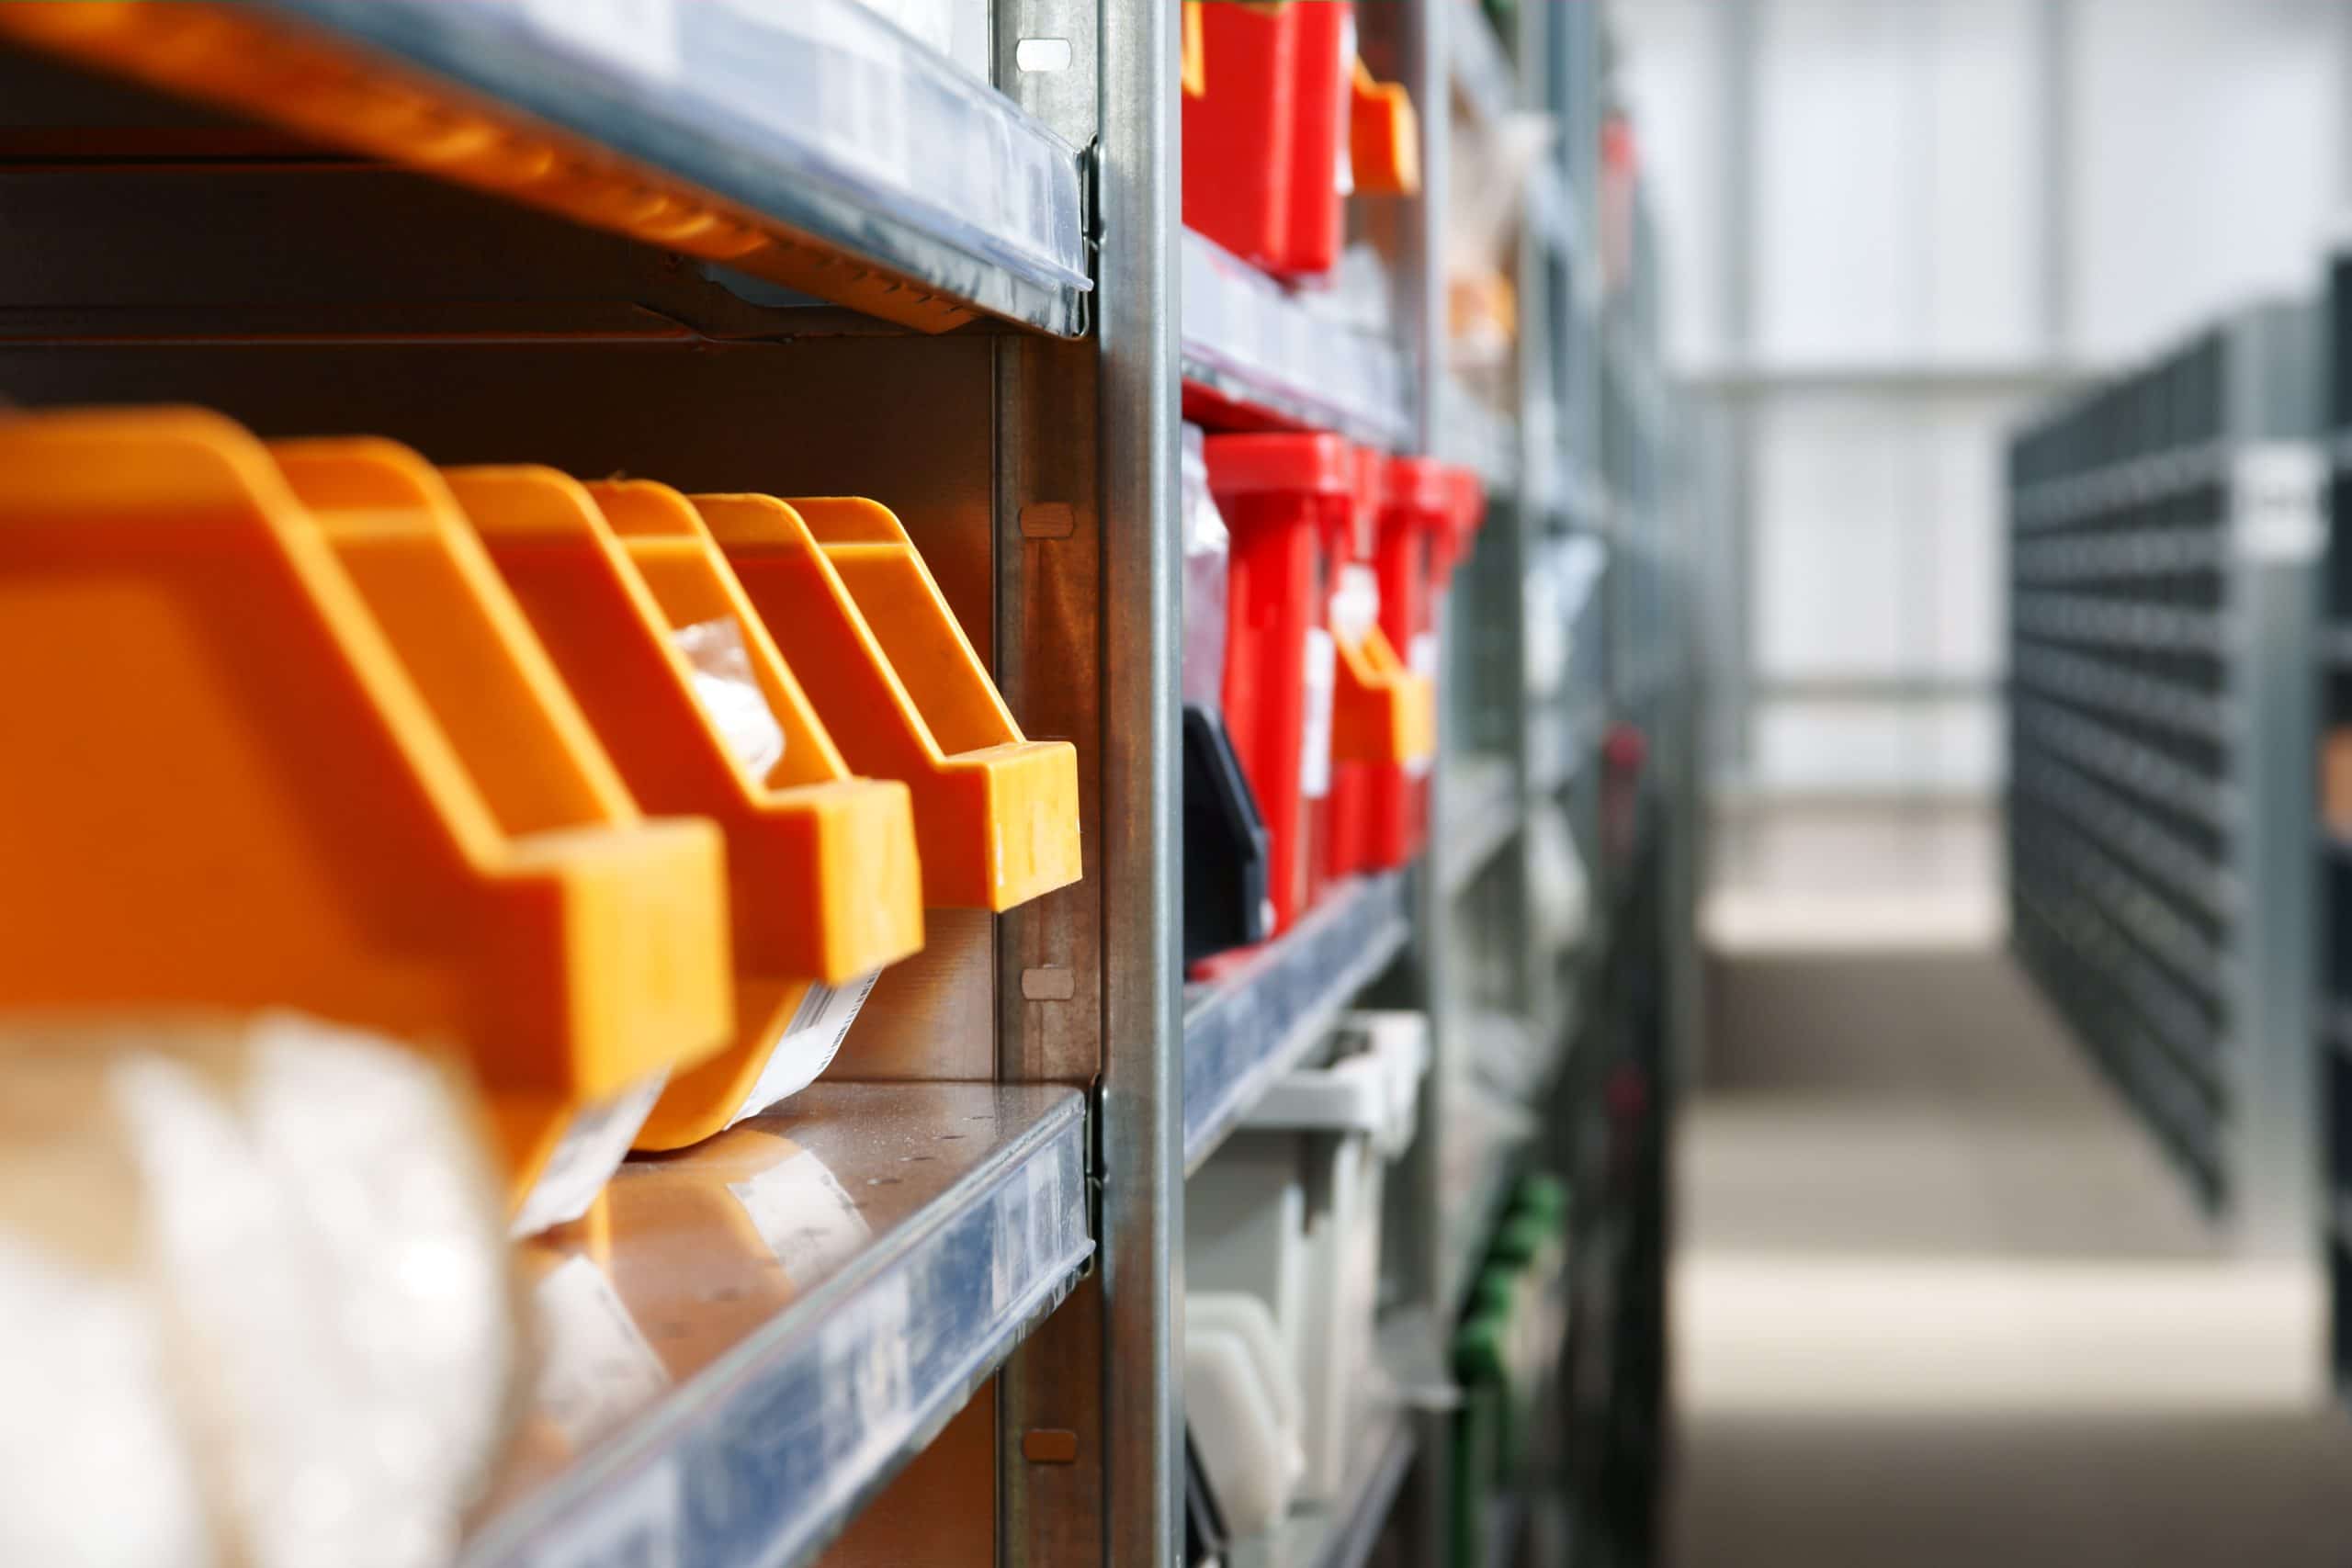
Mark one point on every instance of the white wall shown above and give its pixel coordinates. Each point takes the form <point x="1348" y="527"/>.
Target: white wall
<point x="1934" y="234"/>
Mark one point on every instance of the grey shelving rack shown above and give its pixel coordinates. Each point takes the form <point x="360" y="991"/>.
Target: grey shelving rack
<point x="2163" y="528"/>
<point x="990" y="1374"/>
<point x="2332" y="993"/>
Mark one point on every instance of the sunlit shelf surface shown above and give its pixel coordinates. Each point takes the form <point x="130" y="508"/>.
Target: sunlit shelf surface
<point x="818" y="118"/>
<point x="1278" y="359"/>
<point x="1344" y="1534"/>
<point x="1246" y="1029"/>
<point x="748" y="1338"/>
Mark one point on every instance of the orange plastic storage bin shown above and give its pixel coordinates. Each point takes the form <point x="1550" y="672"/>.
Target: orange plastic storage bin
<point x="821" y="866"/>
<point x="1384" y="136"/>
<point x="859" y="618"/>
<point x="1383" y="722"/>
<point x="1288" y="502"/>
<point x="1266" y="136"/>
<point x="269" y="753"/>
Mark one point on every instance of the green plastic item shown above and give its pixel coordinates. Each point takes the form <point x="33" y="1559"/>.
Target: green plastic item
<point x="1479" y="1430"/>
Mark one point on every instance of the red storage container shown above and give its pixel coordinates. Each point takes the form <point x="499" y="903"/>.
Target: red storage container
<point x="1385" y="724"/>
<point x="1266" y="141"/>
<point x="1356" y="838"/>
<point x="1288" y="502"/>
<point x="1429" y="513"/>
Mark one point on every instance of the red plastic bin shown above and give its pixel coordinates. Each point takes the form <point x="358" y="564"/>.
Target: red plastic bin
<point x="1429" y="512"/>
<point x="1355" y="842"/>
<point x="1264" y="140"/>
<point x="1288" y="502"/>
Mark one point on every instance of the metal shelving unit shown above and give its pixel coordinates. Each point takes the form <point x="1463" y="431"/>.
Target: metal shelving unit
<point x="2331" y="672"/>
<point x="830" y="1282"/>
<point x="1273" y="355"/>
<point x="2163" y="531"/>
<point x="1340" y="1537"/>
<point x="1244" y="1031"/>
<point x="733" y="248"/>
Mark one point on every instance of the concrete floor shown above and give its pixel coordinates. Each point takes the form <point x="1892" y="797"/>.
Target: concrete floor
<point x="1937" y="1300"/>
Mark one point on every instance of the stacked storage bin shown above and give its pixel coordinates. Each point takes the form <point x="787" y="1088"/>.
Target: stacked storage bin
<point x="2164" y="531"/>
<point x="404" y="721"/>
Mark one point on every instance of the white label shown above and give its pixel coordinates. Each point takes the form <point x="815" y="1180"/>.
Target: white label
<point x="596" y="1369"/>
<point x="1420" y="654"/>
<point x="640" y="36"/>
<point x="1343" y="171"/>
<point x="2279" y="486"/>
<point x="809" y="1220"/>
<point x="810" y="1044"/>
<point x="592" y="1149"/>
<point x="1322" y="680"/>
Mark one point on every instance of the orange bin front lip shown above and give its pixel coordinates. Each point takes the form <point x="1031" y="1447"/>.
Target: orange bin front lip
<point x="855" y="609"/>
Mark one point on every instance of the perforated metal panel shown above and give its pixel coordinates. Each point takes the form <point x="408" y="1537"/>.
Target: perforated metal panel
<point x="2162" y="532"/>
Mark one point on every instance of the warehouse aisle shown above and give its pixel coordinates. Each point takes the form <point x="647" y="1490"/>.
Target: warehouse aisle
<point x="1936" y="1301"/>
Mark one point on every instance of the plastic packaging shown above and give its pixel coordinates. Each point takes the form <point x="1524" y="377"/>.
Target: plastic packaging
<point x="730" y="695"/>
<point x="1485" y="195"/>
<point x="1208" y="550"/>
<point x="263" y="1263"/>
<point x="1557" y="589"/>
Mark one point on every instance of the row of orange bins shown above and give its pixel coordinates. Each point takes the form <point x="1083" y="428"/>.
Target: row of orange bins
<point x="1341" y="561"/>
<point x="624" y="796"/>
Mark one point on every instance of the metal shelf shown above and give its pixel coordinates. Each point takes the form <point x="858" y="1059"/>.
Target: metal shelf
<point x="2098" y="750"/>
<point x="2085" y="619"/>
<point x="1481" y="817"/>
<point x="1254" y="344"/>
<point x="784" y="1314"/>
<point x="1488" y="82"/>
<point x="1246" y="1028"/>
<point x="2090" y="681"/>
<point x="1476" y="1199"/>
<point x="2134" y="481"/>
<point x="1477" y="436"/>
<point x="1340" y="1536"/>
<point x="816" y="119"/>
<point x="2194" y="878"/>
<point x="2164" y="551"/>
<point x="1561" y="744"/>
<point x="1482" y="70"/>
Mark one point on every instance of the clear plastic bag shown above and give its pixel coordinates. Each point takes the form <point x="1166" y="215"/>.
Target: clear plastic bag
<point x="265" y="1260"/>
<point x="730" y="693"/>
<point x="1208" y="551"/>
